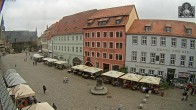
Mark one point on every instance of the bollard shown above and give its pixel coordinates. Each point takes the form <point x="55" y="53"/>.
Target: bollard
<point x="144" y="100"/>
<point x="140" y="106"/>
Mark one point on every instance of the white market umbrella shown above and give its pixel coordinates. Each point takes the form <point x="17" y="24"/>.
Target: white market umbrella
<point x="114" y="74"/>
<point x="150" y="80"/>
<point x="131" y="77"/>
<point x="39" y="106"/>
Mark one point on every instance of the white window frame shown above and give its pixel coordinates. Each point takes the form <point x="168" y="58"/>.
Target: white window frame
<point x="134" y="56"/>
<point x="153" y="41"/>
<point x="192" y="44"/>
<point x="172" y="59"/>
<point x="99" y="55"/>
<point x="191" y="61"/>
<point x="162" y="58"/>
<point x="135" y="40"/>
<point x="142" y="71"/>
<point x="105" y="55"/>
<point x="162" y="41"/>
<point x="173" y="42"/>
<point x="152" y="57"/>
<point x="112" y="46"/>
<point x="132" y="70"/>
<point x="109" y="56"/>
<point x="99" y="44"/>
<point x="182" y="60"/>
<point x="151" y="72"/>
<point x="143" y="57"/>
<point x="183" y="43"/>
<point x="103" y="45"/>
<point x="144" y="40"/>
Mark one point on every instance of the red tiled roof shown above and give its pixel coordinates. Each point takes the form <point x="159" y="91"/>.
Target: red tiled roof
<point x="115" y="11"/>
<point x="73" y="23"/>
<point x="178" y="28"/>
<point x="48" y="32"/>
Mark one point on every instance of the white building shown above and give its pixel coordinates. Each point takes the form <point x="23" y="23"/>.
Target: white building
<point x="67" y="39"/>
<point x="163" y="48"/>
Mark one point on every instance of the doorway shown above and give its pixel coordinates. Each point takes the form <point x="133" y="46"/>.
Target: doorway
<point x="106" y="67"/>
<point x="170" y="74"/>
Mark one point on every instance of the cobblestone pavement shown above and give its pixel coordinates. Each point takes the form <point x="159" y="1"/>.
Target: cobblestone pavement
<point x="75" y="95"/>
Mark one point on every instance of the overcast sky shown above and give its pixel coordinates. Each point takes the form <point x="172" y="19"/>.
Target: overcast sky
<point x="32" y="14"/>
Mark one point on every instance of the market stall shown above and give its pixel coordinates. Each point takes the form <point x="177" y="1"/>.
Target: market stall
<point x="9" y="71"/>
<point x="91" y="72"/>
<point x="61" y="64"/>
<point x="112" y="77"/>
<point x="51" y="61"/>
<point x="78" y="69"/>
<point x="15" y="81"/>
<point x="37" y="57"/>
<point x="131" y="80"/>
<point x="39" y="106"/>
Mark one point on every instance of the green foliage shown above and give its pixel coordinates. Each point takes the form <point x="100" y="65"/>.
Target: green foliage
<point x="124" y="69"/>
<point x="164" y="85"/>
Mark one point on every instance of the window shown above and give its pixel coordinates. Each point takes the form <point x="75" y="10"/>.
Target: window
<point x="97" y="64"/>
<point x="182" y="60"/>
<point x="93" y="54"/>
<point x="192" y="44"/>
<point x="98" y="45"/>
<point x="147" y="28"/>
<point x="117" y="34"/>
<point x="132" y="70"/>
<point x="68" y="38"/>
<point x="68" y="48"/>
<point x="73" y="49"/>
<point x="142" y="71"/>
<point x="93" y="34"/>
<point x="62" y="48"/>
<point x="80" y="37"/>
<point x="160" y="73"/>
<point x="65" y="48"/>
<point x="104" y="55"/>
<point x="152" y="57"/>
<point x="73" y="38"/>
<point x="104" y="44"/>
<point x="111" y="45"/>
<point x="173" y="42"/>
<point x="86" y="53"/>
<point x="189" y="31"/>
<point x="77" y="38"/>
<point x="111" y="34"/>
<point x="134" y="39"/>
<point x="144" y="40"/>
<point x="119" y="45"/>
<point x="64" y="38"/>
<point x="98" y="54"/>
<point x="172" y="59"/>
<point x="86" y="35"/>
<point x="93" y="44"/>
<point x="118" y="57"/>
<point x="104" y="34"/>
<point x="183" y="43"/>
<point x="163" y="41"/>
<point x="98" y="34"/>
<point x="76" y="49"/>
<point x="151" y="72"/>
<point x="118" y="21"/>
<point x="167" y="29"/>
<point x="59" y="47"/>
<point x="153" y="40"/>
<point x="110" y="56"/>
<point x="162" y="58"/>
<point x="102" y="23"/>
<point x="191" y="60"/>
<point x="88" y="44"/>
<point x="80" y="49"/>
<point x="143" y="56"/>
<point x="134" y="56"/>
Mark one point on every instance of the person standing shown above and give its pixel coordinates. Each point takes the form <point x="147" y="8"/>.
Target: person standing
<point x="44" y="89"/>
<point x="54" y="106"/>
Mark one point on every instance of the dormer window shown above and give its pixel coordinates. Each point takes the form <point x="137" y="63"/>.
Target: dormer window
<point x="147" y="28"/>
<point x="90" y="22"/>
<point x="167" y="28"/>
<point x="103" y="21"/>
<point x="189" y="31"/>
<point x="118" y="20"/>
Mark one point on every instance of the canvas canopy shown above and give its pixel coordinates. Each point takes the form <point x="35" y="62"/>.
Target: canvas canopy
<point x="37" y="56"/>
<point x="92" y="69"/>
<point x="52" y="60"/>
<point x="114" y="74"/>
<point x="21" y="91"/>
<point x="10" y="71"/>
<point x="79" y="67"/>
<point x="150" y="80"/>
<point x="11" y="76"/>
<point x="39" y="106"/>
<point x="15" y="81"/>
<point x="61" y="62"/>
<point x="131" y="77"/>
<point x="46" y="59"/>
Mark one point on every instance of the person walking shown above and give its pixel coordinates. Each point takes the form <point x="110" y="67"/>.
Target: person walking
<point x="44" y="89"/>
<point x="193" y="90"/>
<point x="54" y="106"/>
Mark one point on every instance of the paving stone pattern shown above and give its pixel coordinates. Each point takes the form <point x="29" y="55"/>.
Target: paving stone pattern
<point x="75" y="95"/>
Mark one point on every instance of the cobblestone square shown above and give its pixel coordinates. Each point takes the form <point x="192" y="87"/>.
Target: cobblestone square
<point x="75" y="95"/>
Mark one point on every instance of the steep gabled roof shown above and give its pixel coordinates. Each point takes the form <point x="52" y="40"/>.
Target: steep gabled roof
<point x="48" y="32"/>
<point x="178" y="28"/>
<point x="110" y="12"/>
<point x="73" y="23"/>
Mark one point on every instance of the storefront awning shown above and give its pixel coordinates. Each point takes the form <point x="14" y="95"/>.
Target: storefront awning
<point x="61" y="62"/>
<point x="183" y="75"/>
<point x="114" y="74"/>
<point x="150" y="80"/>
<point x="132" y="77"/>
<point x="92" y="69"/>
<point x="79" y="67"/>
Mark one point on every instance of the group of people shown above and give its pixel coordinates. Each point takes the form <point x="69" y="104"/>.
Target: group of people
<point x="190" y="89"/>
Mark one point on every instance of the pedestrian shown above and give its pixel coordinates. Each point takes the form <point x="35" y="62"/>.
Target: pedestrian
<point x="64" y="79"/>
<point x="120" y="107"/>
<point x="33" y="63"/>
<point x="187" y="95"/>
<point x="54" y="106"/>
<point x="44" y="89"/>
<point x="192" y="91"/>
<point x="184" y="95"/>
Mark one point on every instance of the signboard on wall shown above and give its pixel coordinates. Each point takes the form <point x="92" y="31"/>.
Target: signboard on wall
<point x="183" y="75"/>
